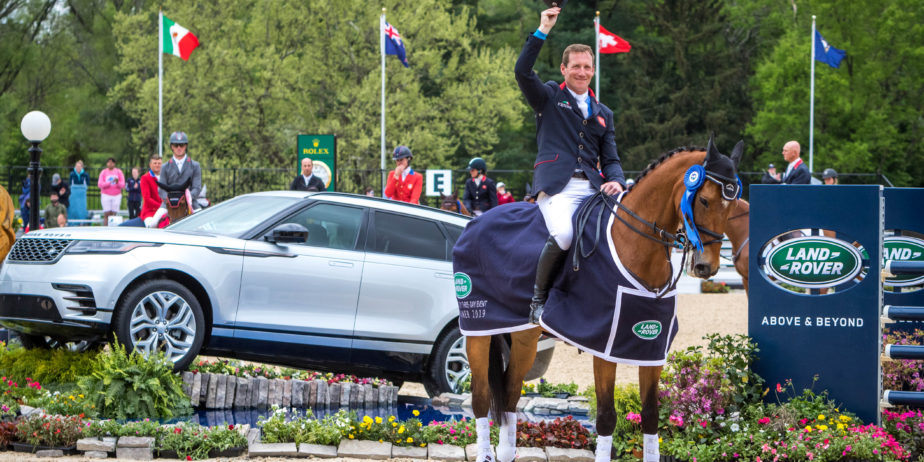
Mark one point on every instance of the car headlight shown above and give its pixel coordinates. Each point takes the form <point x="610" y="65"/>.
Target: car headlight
<point x="106" y="247"/>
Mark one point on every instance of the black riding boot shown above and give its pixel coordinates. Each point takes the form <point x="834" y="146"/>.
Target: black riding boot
<point x="550" y="261"/>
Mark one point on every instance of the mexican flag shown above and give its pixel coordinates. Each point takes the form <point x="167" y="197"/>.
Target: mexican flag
<point x="176" y="39"/>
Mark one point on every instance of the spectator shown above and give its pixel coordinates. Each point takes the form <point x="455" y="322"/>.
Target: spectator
<point x="504" y="197"/>
<point x="177" y="171"/>
<point x="796" y="171"/>
<point x="24" y="202"/>
<point x="111" y="182"/>
<point x="480" y="193"/>
<point x="307" y="181"/>
<point x="829" y="176"/>
<point x="80" y="182"/>
<point x="572" y="132"/>
<point x="64" y="192"/>
<point x="369" y="191"/>
<point x="54" y="211"/>
<point x="404" y="184"/>
<point x="151" y="210"/>
<point x="133" y="186"/>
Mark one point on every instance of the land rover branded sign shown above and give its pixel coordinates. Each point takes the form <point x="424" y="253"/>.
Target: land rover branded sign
<point x="903" y="248"/>
<point x="814" y="262"/>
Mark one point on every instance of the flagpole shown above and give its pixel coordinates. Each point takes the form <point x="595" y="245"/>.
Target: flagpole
<point x="160" y="83"/>
<point x="382" y="49"/>
<point x="597" y="55"/>
<point x="812" y="103"/>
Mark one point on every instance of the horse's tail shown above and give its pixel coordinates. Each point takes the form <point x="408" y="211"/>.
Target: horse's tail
<point x="496" y="370"/>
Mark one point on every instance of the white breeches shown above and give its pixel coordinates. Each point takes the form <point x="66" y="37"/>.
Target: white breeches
<point x="558" y="209"/>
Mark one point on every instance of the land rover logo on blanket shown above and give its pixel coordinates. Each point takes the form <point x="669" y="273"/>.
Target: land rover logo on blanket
<point x="903" y="248"/>
<point x="814" y="262"/>
<point x="647" y="330"/>
<point x="463" y="285"/>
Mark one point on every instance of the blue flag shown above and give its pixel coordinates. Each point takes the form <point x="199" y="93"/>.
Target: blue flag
<point x="825" y="53"/>
<point x="393" y="44"/>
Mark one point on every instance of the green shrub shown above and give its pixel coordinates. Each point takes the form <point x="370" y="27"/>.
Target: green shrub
<point x="126" y="386"/>
<point x="45" y="366"/>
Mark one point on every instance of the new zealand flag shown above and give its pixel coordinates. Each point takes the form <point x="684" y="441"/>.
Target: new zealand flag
<point x="393" y="44"/>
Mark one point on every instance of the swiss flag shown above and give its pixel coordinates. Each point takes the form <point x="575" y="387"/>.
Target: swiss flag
<point x="612" y="43"/>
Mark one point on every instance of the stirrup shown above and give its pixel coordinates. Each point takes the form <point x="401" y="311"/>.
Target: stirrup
<point x="535" y="312"/>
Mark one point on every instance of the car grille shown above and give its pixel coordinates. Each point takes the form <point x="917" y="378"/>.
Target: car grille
<point x="38" y="250"/>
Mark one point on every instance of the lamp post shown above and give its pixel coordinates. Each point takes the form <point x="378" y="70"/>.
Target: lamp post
<point x="35" y="127"/>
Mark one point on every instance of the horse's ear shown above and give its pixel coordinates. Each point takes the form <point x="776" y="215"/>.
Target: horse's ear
<point x="711" y="152"/>
<point x="737" y="152"/>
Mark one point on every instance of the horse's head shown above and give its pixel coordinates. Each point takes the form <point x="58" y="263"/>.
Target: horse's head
<point x="709" y="201"/>
<point x="450" y="203"/>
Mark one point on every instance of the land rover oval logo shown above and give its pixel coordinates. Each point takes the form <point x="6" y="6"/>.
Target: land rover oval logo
<point x="463" y="285"/>
<point x="814" y="262"/>
<point x="647" y="330"/>
<point x="903" y="248"/>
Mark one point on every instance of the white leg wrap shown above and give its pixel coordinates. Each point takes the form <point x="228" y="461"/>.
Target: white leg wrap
<point x="604" y="448"/>
<point x="483" y="434"/>
<point x="507" y="438"/>
<point x="652" y="451"/>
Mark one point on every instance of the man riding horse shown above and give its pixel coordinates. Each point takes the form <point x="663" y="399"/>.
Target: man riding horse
<point x="574" y="132"/>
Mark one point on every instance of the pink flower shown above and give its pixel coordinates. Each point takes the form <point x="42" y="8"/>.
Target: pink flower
<point x="764" y="421"/>
<point x="633" y="417"/>
<point x="702" y="423"/>
<point x="676" y="420"/>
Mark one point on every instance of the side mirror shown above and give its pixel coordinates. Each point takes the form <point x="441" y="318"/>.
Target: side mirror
<point x="288" y="233"/>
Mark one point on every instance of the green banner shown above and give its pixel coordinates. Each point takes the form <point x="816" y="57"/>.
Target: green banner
<point x="322" y="150"/>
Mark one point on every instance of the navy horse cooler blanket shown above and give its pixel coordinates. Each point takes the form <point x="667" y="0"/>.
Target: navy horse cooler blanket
<point x="601" y="309"/>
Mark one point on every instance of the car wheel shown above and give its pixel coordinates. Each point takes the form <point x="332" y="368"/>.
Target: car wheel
<point x="449" y="368"/>
<point x="161" y="316"/>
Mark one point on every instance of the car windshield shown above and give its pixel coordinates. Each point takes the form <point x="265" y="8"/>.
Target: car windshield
<point x="233" y="217"/>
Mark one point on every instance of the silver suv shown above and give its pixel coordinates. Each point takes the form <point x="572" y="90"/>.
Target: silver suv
<point x="327" y="281"/>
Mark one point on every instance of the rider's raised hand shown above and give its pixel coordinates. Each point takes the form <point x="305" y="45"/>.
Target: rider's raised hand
<point x="549" y="17"/>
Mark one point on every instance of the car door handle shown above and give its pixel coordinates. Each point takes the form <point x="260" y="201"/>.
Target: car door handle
<point x="443" y="275"/>
<point x="341" y="264"/>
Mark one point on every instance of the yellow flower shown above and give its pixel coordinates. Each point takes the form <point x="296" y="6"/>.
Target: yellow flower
<point x="81" y="395"/>
<point x="367" y="420"/>
<point x="808" y="428"/>
<point x="391" y="418"/>
<point x="415" y="412"/>
<point x="71" y="397"/>
<point x="378" y="420"/>
<point x="821" y="417"/>
<point x="822" y="427"/>
<point x="840" y="426"/>
<point x="423" y="445"/>
<point x="401" y="430"/>
<point x="394" y="424"/>
<point x="380" y="441"/>
<point x="844" y="418"/>
<point x="744" y="379"/>
<point x="410" y="440"/>
<point x="351" y="436"/>
<point x="660" y="440"/>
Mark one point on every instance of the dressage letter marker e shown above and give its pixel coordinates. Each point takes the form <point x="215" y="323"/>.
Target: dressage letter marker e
<point x="439" y="182"/>
<point x="814" y="262"/>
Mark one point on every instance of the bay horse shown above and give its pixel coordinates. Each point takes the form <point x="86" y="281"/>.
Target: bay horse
<point x="453" y="204"/>
<point x="737" y="230"/>
<point x="640" y="233"/>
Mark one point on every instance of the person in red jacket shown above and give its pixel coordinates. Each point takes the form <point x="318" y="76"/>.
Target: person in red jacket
<point x="404" y="184"/>
<point x="151" y="210"/>
<point x="504" y="197"/>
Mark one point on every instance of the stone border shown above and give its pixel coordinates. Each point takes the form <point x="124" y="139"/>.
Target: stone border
<point x="222" y="391"/>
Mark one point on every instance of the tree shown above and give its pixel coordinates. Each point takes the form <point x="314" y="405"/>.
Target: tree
<point x="268" y="70"/>
<point x="867" y="112"/>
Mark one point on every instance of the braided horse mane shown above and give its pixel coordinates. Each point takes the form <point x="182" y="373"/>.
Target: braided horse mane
<point x="660" y="160"/>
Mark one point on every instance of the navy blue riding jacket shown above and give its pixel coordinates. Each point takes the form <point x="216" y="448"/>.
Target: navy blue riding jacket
<point x="567" y="141"/>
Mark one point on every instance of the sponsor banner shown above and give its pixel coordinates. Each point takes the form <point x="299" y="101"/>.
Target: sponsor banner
<point x="322" y="150"/>
<point x="903" y="248"/>
<point x="814" y="262"/>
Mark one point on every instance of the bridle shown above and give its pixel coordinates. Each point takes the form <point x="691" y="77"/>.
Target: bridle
<point x="744" y="242"/>
<point x="668" y="240"/>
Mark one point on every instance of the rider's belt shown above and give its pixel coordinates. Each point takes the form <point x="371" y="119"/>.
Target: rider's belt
<point x="579" y="174"/>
